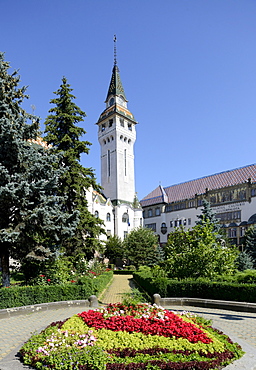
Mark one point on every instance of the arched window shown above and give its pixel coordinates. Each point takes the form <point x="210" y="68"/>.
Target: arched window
<point x="125" y="217"/>
<point x="96" y="214"/>
<point x="108" y="217"/>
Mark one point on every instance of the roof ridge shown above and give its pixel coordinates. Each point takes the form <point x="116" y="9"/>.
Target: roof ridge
<point x="215" y="174"/>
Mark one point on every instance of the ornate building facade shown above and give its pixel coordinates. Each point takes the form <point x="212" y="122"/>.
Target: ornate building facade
<point x="232" y="195"/>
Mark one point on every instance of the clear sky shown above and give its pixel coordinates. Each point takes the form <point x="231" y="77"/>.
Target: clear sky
<point x="188" y="68"/>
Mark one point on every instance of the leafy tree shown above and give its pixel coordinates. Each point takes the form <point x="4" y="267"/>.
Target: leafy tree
<point x="198" y="253"/>
<point x="114" y="249"/>
<point x="250" y="243"/>
<point x="140" y="247"/>
<point x="32" y="222"/>
<point x="64" y="135"/>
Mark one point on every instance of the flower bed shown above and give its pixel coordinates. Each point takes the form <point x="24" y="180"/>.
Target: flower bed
<point x="119" y="337"/>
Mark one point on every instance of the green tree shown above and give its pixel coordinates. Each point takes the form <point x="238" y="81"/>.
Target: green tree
<point x="140" y="247"/>
<point x="114" y="249"/>
<point x="63" y="133"/>
<point x="244" y="261"/>
<point x="198" y="253"/>
<point x="208" y="215"/>
<point x="32" y="222"/>
<point x="250" y="243"/>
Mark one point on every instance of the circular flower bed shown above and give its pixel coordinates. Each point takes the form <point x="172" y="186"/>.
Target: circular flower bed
<point x="119" y="337"/>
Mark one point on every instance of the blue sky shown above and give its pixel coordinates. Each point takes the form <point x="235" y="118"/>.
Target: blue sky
<point x="188" y="68"/>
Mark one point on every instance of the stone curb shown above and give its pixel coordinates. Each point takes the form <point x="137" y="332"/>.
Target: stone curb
<point x="92" y="301"/>
<point x="207" y="303"/>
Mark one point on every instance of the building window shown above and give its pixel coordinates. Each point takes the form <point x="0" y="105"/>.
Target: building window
<point x="171" y="223"/>
<point x="125" y="234"/>
<point x="176" y="223"/>
<point x="110" y="123"/>
<point x="200" y="202"/>
<point x="168" y="208"/>
<point x="253" y="192"/>
<point x="125" y="217"/>
<point x="157" y="211"/>
<point x="242" y="195"/>
<point x="180" y="222"/>
<point x="184" y="222"/>
<point x="108" y="233"/>
<point x="125" y="163"/>
<point x="232" y="233"/>
<point x="103" y="127"/>
<point x="109" y="163"/>
<point x="108" y="218"/>
<point x="163" y="228"/>
<point x="130" y="126"/>
<point x="189" y="221"/>
<point x="96" y="214"/>
<point x="150" y="213"/>
<point x="122" y="122"/>
<point x="151" y="226"/>
<point x="191" y="204"/>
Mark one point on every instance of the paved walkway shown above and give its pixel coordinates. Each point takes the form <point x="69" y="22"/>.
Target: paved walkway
<point x="15" y="330"/>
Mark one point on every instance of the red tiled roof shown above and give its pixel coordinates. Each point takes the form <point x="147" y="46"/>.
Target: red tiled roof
<point x="187" y="190"/>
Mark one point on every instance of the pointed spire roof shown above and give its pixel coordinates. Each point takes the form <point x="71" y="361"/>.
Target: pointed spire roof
<point x="115" y="86"/>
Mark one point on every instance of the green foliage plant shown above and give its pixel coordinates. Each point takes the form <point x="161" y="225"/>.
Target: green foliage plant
<point x="72" y="337"/>
<point x="198" y="253"/>
<point x="33" y="223"/>
<point x="140" y="247"/>
<point x="64" y="135"/>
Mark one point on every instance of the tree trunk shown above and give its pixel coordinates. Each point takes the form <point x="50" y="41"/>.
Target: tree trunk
<point x="4" y="258"/>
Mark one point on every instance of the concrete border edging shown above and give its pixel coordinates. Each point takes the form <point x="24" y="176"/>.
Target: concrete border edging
<point x="5" y="313"/>
<point x="207" y="303"/>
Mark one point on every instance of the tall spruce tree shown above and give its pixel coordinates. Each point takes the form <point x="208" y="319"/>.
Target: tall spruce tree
<point x="209" y="216"/>
<point x="250" y="243"/>
<point x="31" y="217"/>
<point x="64" y="135"/>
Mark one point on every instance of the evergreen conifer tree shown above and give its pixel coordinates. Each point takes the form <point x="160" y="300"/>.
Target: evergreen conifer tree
<point x="31" y="219"/>
<point x="64" y="135"/>
<point x="250" y="243"/>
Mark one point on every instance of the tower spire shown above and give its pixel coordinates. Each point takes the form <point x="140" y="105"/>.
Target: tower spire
<point x="115" y="60"/>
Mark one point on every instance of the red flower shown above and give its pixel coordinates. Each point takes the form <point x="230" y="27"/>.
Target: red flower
<point x="42" y="275"/>
<point x="173" y="325"/>
<point x="48" y="279"/>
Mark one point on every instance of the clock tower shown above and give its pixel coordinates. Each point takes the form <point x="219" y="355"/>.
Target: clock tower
<point x="117" y="135"/>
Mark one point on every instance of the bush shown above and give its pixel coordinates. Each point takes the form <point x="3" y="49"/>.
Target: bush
<point x="24" y="296"/>
<point x="201" y="288"/>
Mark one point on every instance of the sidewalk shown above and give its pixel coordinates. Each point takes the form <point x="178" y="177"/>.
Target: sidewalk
<point x="15" y="330"/>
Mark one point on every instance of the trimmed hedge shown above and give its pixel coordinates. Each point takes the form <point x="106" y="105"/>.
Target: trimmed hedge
<point x="29" y="295"/>
<point x="196" y="289"/>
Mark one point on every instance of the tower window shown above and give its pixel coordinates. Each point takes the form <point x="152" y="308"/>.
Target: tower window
<point x="110" y="123"/>
<point x="125" y="163"/>
<point x="103" y="127"/>
<point x="130" y="126"/>
<point x="109" y="163"/>
<point x="122" y="122"/>
<point x="125" y="218"/>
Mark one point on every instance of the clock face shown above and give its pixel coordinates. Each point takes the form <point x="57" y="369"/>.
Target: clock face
<point x="111" y="101"/>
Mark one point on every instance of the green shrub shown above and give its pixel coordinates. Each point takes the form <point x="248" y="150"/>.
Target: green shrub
<point x="201" y="288"/>
<point x="23" y="296"/>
